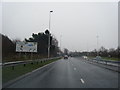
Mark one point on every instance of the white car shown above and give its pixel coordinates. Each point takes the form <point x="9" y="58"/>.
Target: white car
<point x="98" y="57"/>
<point x="85" y="57"/>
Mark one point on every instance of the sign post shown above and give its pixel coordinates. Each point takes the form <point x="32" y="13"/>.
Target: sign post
<point x="26" y="47"/>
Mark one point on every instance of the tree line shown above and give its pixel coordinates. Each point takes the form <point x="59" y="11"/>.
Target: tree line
<point x="112" y="52"/>
<point x="9" y="46"/>
<point x="103" y="52"/>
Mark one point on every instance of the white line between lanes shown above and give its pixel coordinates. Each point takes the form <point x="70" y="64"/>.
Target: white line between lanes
<point x="74" y="68"/>
<point x="82" y="80"/>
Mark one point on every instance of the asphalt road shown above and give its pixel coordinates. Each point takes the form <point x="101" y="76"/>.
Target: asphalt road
<point x="69" y="73"/>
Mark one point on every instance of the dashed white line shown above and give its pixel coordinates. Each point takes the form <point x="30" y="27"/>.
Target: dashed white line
<point x="82" y="80"/>
<point x="74" y="68"/>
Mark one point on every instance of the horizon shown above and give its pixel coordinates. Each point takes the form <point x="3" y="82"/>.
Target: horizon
<point x="86" y="21"/>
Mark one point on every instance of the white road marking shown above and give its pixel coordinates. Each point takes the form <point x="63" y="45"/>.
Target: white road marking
<point x="82" y="80"/>
<point x="74" y="68"/>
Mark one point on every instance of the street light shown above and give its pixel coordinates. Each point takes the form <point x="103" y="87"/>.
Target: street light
<point x="60" y="42"/>
<point x="49" y="34"/>
<point x="97" y="44"/>
<point x="60" y="45"/>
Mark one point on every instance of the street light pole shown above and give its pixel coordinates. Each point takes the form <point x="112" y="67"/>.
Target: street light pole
<point x="97" y="44"/>
<point x="60" y="42"/>
<point x="49" y="34"/>
<point x="60" y="45"/>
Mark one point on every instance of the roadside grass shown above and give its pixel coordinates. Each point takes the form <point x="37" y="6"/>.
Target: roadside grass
<point x="9" y="74"/>
<point x="91" y="57"/>
<point x="111" y="58"/>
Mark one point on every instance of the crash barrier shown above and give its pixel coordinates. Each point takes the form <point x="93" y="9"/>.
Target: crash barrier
<point x="104" y="61"/>
<point x="13" y="64"/>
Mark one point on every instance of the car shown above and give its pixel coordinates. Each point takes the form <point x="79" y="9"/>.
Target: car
<point x="98" y="57"/>
<point x="66" y="57"/>
<point x="85" y="57"/>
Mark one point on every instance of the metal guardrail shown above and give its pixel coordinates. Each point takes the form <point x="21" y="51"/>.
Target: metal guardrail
<point x="26" y="62"/>
<point x="107" y="62"/>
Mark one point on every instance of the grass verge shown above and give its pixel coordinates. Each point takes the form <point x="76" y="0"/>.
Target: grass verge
<point x="111" y="58"/>
<point x="9" y="74"/>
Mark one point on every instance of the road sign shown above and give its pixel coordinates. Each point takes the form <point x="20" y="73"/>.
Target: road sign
<point x="26" y="46"/>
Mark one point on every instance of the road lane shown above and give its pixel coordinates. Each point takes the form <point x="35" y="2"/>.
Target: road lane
<point x="69" y="73"/>
<point x="95" y="76"/>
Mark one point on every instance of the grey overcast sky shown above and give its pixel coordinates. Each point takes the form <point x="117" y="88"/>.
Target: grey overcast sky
<point x="78" y="23"/>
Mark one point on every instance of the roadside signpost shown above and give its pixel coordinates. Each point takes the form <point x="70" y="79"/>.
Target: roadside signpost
<point x="26" y="47"/>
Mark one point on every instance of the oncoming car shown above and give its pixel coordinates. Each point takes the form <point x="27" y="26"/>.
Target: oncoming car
<point x="85" y="57"/>
<point x="98" y="57"/>
<point x="65" y="57"/>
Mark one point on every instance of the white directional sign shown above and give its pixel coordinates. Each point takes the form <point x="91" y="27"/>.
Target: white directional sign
<point x="26" y="46"/>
